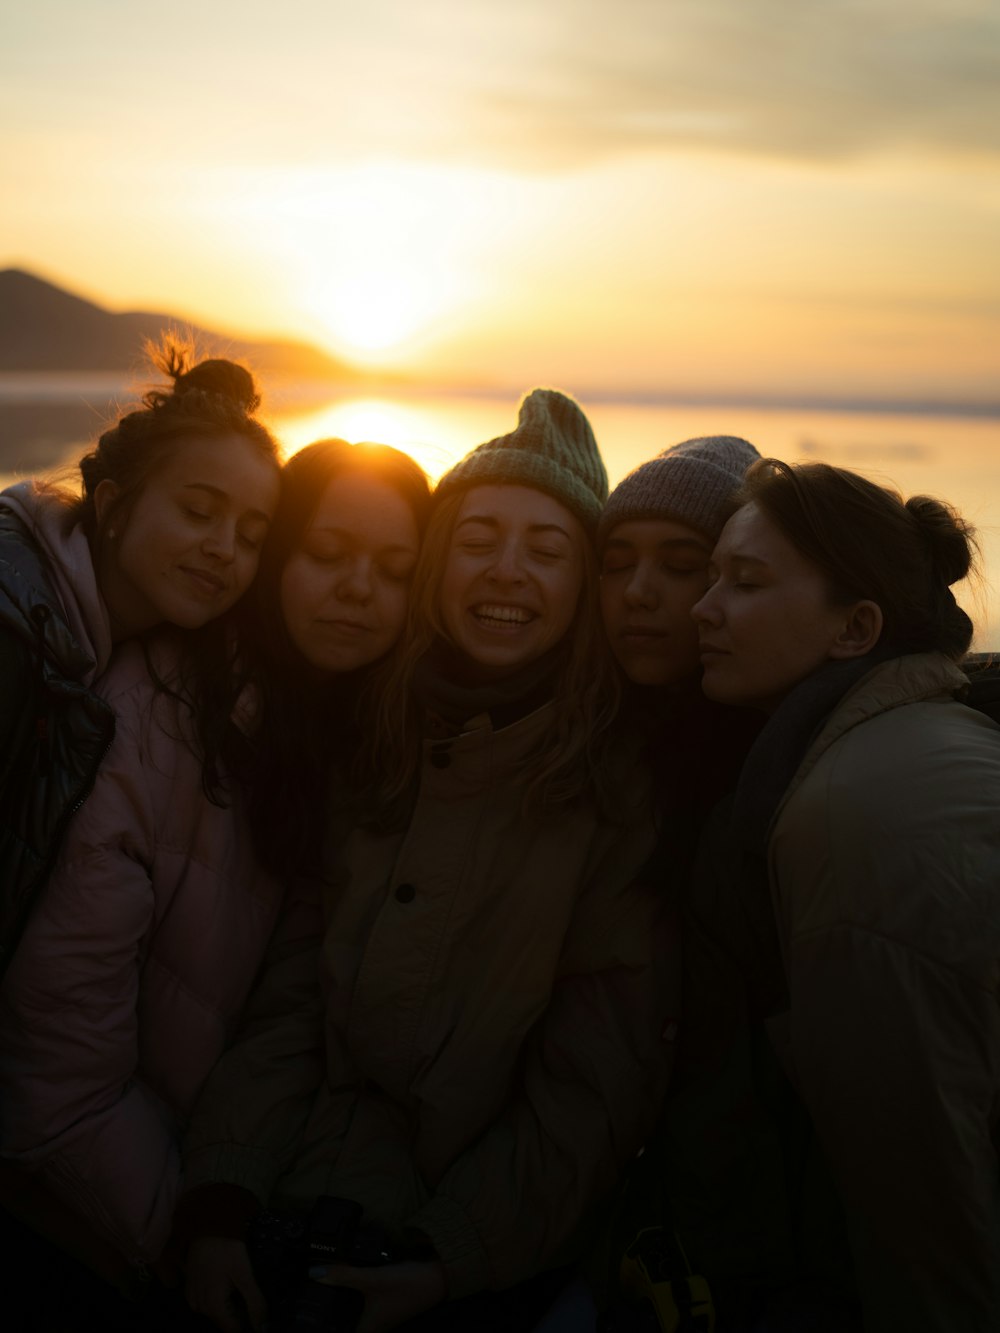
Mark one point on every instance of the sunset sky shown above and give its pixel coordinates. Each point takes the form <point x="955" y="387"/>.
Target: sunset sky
<point x="731" y="196"/>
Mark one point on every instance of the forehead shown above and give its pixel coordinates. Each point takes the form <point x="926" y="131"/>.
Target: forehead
<point x="365" y="508"/>
<point x="516" y="506"/>
<point x="749" y="529"/>
<point x="228" y="465"/>
<point x="649" y="534"/>
<point x="751" y="534"/>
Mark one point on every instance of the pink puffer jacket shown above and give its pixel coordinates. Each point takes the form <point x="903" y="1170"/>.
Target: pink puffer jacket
<point x="132" y="973"/>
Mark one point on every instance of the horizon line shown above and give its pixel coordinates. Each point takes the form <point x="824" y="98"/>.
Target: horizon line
<point x="23" y="386"/>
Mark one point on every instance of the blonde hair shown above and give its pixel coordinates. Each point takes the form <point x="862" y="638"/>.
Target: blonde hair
<point x="570" y="762"/>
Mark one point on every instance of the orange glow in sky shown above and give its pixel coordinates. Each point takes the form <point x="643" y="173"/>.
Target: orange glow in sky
<point x="655" y="198"/>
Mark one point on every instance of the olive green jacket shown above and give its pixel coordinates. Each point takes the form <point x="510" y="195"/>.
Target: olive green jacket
<point x="492" y="1040"/>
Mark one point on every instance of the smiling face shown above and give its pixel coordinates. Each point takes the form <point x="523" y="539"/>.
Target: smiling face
<point x="513" y="576"/>
<point x="767" y="621"/>
<point x="652" y="573"/>
<point x="344" y="589"/>
<point x="187" y="547"/>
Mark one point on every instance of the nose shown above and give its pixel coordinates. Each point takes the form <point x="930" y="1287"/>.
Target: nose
<point x="640" y="592"/>
<point x="357" y="580"/>
<point x="706" y="611"/>
<point x="220" y="541"/>
<point x="508" y="565"/>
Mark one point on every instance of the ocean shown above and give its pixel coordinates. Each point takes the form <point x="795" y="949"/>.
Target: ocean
<point x="46" y="421"/>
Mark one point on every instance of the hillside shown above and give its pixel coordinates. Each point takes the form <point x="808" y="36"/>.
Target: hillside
<point x="45" y="328"/>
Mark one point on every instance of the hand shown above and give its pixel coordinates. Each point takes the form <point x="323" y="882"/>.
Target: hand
<point x="219" y="1281"/>
<point x="392" y="1294"/>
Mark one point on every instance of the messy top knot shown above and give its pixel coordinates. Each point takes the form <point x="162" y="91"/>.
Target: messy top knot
<point x="207" y="400"/>
<point x="950" y="540"/>
<point x="215" y="375"/>
<point x="870" y="545"/>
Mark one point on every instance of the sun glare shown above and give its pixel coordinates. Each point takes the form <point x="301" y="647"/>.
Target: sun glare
<point x="417" y="432"/>
<point x="376" y="307"/>
<point x="381" y="260"/>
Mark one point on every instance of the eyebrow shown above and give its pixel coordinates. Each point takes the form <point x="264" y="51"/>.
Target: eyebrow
<point x="494" y="523"/>
<point x="737" y="558"/>
<point x="333" y="531"/>
<point x="668" y="544"/>
<point x="218" y="494"/>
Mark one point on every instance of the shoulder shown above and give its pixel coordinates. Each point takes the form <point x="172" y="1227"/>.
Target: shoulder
<point x="25" y="580"/>
<point x="908" y="764"/>
<point x="31" y="608"/>
<point x="895" y="831"/>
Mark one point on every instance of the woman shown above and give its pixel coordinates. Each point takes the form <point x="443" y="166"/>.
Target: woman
<point x="488" y="1047"/>
<point x="177" y="496"/>
<point x="656" y="537"/>
<point x="330" y="602"/>
<point x="135" y="966"/>
<point x="874" y="794"/>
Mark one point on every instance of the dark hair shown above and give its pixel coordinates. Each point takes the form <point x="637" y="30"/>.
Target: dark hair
<point x="871" y="544"/>
<point x="307" y="720"/>
<point x="208" y="399"/>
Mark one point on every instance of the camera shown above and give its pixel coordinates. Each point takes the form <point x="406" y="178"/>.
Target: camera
<point x="284" y="1246"/>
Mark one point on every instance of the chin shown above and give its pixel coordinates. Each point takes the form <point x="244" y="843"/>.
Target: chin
<point x="191" y="619"/>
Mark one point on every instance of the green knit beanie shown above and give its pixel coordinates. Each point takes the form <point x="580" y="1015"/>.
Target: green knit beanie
<point x="552" y="448"/>
<point x="692" y="483"/>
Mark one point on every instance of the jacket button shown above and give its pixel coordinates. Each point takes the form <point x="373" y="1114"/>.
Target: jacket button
<point x="440" y="757"/>
<point x="405" y="893"/>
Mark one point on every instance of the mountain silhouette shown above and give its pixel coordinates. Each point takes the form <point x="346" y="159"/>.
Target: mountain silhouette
<point x="44" y="327"/>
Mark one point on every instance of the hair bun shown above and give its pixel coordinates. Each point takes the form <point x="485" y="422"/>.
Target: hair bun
<point x="950" y="540"/>
<point x="225" y="378"/>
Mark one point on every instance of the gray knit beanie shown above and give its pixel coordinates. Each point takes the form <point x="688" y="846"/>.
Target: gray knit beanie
<point x="692" y="483"/>
<point x="552" y="448"/>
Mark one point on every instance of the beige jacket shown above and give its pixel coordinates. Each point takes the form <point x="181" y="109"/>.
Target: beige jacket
<point x="885" y="865"/>
<point x="497" y="997"/>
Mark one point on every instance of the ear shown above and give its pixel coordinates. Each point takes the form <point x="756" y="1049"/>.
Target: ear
<point x="860" y="632"/>
<point x="105" y="494"/>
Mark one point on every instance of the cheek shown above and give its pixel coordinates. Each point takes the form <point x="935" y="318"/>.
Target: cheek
<point x="393" y="605"/>
<point x="612" y="599"/>
<point x="682" y="600"/>
<point x="246" y="571"/>
<point x="137" y="557"/>
<point x="449" y="593"/>
<point x="293" y="593"/>
<point x="564" y="594"/>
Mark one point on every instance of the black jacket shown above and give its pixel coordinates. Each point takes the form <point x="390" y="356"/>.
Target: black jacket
<point x="54" y="731"/>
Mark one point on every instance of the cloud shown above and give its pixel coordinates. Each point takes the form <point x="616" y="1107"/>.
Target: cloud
<point x="528" y="84"/>
<point x="575" y="80"/>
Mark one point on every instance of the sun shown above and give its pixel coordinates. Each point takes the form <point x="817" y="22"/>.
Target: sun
<point x="380" y="260"/>
<point x="376" y="307"/>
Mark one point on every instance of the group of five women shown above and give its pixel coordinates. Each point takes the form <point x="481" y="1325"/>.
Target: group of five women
<point x="548" y="875"/>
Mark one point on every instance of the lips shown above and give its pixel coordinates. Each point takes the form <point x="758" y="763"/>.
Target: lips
<point x="204" y="580"/>
<point x="345" y="626"/>
<point x="496" y="615"/>
<point x="642" y="632"/>
<point x="711" y="650"/>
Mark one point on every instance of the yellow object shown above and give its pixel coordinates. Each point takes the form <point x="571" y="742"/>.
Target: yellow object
<point x="655" y="1268"/>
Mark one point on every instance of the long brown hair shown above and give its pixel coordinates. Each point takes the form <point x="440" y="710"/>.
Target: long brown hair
<point x="307" y="720"/>
<point x="571" y="761"/>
